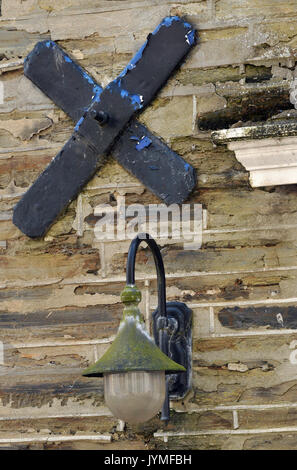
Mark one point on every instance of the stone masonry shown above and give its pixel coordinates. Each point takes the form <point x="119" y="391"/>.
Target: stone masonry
<point x="60" y="296"/>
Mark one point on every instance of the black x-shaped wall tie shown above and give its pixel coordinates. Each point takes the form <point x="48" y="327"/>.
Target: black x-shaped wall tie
<point x="105" y="122"/>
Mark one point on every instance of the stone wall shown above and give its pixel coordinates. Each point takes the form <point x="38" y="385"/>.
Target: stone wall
<point x="60" y="296"/>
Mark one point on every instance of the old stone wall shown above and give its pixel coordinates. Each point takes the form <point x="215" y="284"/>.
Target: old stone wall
<point x="60" y="296"/>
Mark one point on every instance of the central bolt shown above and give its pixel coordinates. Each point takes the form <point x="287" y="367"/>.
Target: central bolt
<point x="100" y="116"/>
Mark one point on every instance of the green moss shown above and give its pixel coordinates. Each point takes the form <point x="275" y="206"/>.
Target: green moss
<point x="201" y="76"/>
<point x="255" y="73"/>
<point x="133" y="349"/>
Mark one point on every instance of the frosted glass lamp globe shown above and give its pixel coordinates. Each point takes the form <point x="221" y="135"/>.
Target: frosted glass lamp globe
<point x="135" y="396"/>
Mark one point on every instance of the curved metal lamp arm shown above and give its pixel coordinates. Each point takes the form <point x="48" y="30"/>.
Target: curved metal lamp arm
<point x="163" y="320"/>
<point x="171" y="324"/>
<point x="130" y="270"/>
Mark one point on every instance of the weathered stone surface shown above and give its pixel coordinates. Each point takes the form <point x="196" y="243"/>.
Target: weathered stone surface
<point x="22" y="168"/>
<point x="268" y="378"/>
<point x="45" y="266"/>
<point x="37" y="299"/>
<point x="54" y="357"/>
<point x="210" y="103"/>
<point x="242" y="102"/>
<point x="222" y="51"/>
<point x="17" y="43"/>
<point x="250" y="209"/>
<point x="192" y="443"/>
<point x="274" y="417"/>
<point x="9" y="8"/>
<point x="199" y="12"/>
<point x="215" y="260"/>
<point x="169" y="118"/>
<point x="56" y="326"/>
<point x="269" y="317"/>
<point x="20" y="93"/>
<point x="203" y="76"/>
<point x="91" y="445"/>
<point x="103" y="23"/>
<point x="46" y="395"/>
<point x="226" y="9"/>
<point x="182" y="422"/>
<point x="25" y="129"/>
<point x="61" y="426"/>
<point x="57" y="309"/>
<point x="228" y="288"/>
<point x="278" y="441"/>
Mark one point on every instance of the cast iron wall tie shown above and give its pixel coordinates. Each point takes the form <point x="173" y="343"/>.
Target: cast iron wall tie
<point x="104" y="123"/>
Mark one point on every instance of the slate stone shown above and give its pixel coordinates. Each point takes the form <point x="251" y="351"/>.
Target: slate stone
<point x="276" y="317"/>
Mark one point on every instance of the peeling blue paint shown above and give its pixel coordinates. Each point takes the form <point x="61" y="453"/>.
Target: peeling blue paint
<point x="190" y="37"/>
<point x="133" y="61"/>
<point x="187" y="167"/>
<point x="87" y="77"/>
<point x="124" y="94"/>
<point x="79" y="123"/>
<point x="97" y="96"/>
<point x="152" y="167"/>
<point x="166" y="22"/>
<point x="97" y="90"/>
<point x="136" y="100"/>
<point x="143" y="143"/>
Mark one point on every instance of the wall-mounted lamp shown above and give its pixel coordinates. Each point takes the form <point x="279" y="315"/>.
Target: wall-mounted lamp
<point x="134" y="367"/>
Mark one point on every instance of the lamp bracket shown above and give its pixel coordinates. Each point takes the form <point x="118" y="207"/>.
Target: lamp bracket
<point x="179" y="334"/>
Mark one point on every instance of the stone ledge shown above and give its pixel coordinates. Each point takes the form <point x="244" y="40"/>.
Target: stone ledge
<point x="268" y="151"/>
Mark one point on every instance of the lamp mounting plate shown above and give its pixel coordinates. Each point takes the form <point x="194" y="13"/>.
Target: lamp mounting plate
<point x="179" y="345"/>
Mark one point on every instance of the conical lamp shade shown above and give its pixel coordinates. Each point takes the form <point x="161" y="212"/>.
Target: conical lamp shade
<point x="133" y="350"/>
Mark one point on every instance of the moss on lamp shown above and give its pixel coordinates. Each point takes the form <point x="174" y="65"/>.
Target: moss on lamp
<point x="133" y="349"/>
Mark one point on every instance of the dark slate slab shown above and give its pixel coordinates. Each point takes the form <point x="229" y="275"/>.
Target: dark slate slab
<point x="244" y="318"/>
<point x="56" y="187"/>
<point x="58" y="317"/>
<point x="160" y="169"/>
<point x="129" y="93"/>
<point x="61" y="79"/>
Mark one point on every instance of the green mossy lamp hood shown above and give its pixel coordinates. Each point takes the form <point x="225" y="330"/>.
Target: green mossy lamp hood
<point x="133" y="349"/>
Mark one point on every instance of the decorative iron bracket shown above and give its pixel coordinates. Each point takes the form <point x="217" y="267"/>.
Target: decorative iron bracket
<point x="172" y="322"/>
<point x="179" y="333"/>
